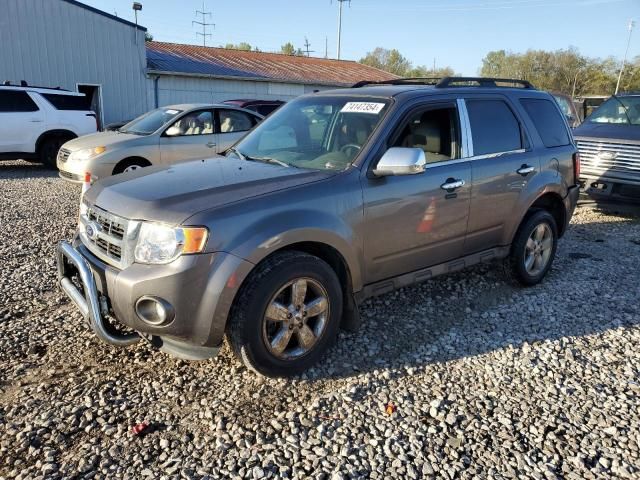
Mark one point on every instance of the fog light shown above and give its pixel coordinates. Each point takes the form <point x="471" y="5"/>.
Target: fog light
<point x="154" y="311"/>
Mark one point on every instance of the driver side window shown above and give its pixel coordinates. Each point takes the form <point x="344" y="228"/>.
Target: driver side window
<point x="433" y="130"/>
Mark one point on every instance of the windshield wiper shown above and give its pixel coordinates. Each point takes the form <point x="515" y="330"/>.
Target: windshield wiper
<point x="239" y="154"/>
<point x="274" y="161"/>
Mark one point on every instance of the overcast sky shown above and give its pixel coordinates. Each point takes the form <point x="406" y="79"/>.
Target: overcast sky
<point x="453" y="32"/>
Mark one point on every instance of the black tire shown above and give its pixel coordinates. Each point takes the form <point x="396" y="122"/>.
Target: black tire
<point x="48" y="150"/>
<point x="246" y="330"/>
<point x="515" y="265"/>
<point x="130" y="162"/>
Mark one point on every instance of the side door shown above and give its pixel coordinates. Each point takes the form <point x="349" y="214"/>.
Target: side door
<point x="415" y="221"/>
<point x="503" y="161"/>
<point x="191" y="137"/>
<point x="21" y="122"/>
<point x="232" y="125"/>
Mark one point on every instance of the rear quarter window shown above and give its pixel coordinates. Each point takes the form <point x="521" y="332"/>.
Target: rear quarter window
<point x="548" y="121"/>
<point x="68" y="102"/>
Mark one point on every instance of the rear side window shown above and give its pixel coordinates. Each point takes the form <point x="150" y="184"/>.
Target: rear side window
<point x="235" y="121"/>
<point x="548" y="121"/>
<point x="494" y="127"/>
<point x="16" y="101"/>
<point x="68" y="102"/>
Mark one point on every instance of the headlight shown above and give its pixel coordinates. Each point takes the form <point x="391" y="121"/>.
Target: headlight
<point x="162" y="244"/>
<point x="87" y="153"/>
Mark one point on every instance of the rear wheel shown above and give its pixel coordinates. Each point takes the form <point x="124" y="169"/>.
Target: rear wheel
<point x="533" y="249"/>
<point x="287" y="315"/>
<point x="130" y="164"/>
<point x="48" y="150"/>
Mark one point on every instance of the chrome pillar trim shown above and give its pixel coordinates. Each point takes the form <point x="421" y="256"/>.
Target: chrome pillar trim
<point x="465" y="129"/>
<point x="89" y="303"/>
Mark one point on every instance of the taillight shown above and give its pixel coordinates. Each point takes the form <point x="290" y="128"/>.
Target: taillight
<point x="576" y="166"/>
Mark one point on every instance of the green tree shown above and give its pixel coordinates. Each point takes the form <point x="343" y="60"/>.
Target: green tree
<point x="391" y="61"/>
<point x="148" y="37"/>
<point x="288" y="49"/>
<point x="240" y="46"/>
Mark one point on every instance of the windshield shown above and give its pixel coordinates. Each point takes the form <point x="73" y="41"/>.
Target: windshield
<point x="150" y="121"/>
<point x="618" y="110"/>
<point x="320" y="133"/>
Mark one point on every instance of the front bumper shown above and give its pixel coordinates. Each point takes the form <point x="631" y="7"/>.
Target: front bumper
<point x="610" y="187"/>
<point x="200" y="288"/>
<point x="74" y="171"/>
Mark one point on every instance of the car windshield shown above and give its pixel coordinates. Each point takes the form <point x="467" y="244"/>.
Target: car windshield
<point x="316" y="132"/>
<point x="618" y="110"/>
<point x="150" y="122"/>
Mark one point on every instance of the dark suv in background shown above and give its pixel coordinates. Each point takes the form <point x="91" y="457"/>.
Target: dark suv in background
<point x="609" y="144"/>
<point x="263" y="107"/>
<point x="338" y="196"/>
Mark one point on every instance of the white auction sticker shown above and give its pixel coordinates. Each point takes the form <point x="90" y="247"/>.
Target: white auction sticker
<point x="363" y="107"/>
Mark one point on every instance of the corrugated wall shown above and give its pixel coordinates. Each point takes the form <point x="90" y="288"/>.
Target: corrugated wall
<point x="56" y="43"/>
<point x="173" y="89"/>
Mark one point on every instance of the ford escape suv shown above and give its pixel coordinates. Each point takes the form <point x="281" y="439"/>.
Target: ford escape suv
<point x="336" y="197"/>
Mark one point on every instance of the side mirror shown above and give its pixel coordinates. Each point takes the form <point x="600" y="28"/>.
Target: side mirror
<point x="401" y="161"/>
<point x="172" y="131"/>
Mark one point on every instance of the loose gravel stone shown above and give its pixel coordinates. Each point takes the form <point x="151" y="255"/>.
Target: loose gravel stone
<point x="488" y="381"/>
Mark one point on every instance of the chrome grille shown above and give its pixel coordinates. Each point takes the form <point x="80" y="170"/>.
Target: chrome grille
<point x="599" y="157"/>
<point x="63" y="155"/>
<point x="109" y="238"/>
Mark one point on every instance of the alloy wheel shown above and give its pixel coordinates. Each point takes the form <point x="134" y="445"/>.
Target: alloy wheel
<point x="296" y="318"/>
<point x="538" y="249"/>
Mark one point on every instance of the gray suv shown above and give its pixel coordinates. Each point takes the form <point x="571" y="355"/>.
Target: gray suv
<point x="336" y="197"/>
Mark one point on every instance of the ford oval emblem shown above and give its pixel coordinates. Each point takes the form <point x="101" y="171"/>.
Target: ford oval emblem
<point x="608" y="155"/>
<point x="92" y="229"/>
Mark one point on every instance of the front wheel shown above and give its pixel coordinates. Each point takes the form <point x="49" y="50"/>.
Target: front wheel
<point x="287" y="315"/>
<point x="48" y="151"/>
<point x="533" y="249"/>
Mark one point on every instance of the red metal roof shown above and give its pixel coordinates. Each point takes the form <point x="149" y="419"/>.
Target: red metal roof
<point x="222" y="62"/>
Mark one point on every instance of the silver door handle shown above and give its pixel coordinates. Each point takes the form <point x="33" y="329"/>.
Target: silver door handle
<point x="211" y="144"/>
<point x="525" y="170"/>
<point x="35" y="120"/>
<point x="452" y="184"/>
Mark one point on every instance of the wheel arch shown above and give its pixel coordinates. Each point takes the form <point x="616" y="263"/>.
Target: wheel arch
<point x="552" y="203"/>
<point x="129" y="159"/>
<point x="56" y="133"/>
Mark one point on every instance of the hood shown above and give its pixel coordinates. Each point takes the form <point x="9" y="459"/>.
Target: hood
<point x="100" y="139"/>
<point x="608" y="132"/>
<point x="173" y="194"/>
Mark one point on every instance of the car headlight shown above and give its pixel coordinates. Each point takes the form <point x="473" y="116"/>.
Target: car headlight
<point x="87" y="153"/>
<point x="160" y="244"/>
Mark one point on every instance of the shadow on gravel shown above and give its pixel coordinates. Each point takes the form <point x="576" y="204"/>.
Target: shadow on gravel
<point x="21" y="169"/>
<point x="475" y="312"/>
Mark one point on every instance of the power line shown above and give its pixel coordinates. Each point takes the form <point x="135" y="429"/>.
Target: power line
<point x="203" y="24"/>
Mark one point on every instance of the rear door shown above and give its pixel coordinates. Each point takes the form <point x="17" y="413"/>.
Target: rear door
<point x="231" y="126"/>
<point x="191" y="137"/>
<point x="413" y="222"/>
<point x="503" y="161"/>
<point x="21" y="121"/>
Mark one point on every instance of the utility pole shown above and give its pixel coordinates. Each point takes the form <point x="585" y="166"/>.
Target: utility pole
<point x="307" y="45"/>
<point x="624" y="60"/>
<point x="203" y="24"/>
<point x="340" y="2"/>
<point x="326" y="47"/>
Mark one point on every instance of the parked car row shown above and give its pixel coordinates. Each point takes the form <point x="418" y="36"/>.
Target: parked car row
<point x="275" y="244"/>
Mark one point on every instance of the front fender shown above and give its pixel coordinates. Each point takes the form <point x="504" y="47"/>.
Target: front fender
<point x="280" y="230"/>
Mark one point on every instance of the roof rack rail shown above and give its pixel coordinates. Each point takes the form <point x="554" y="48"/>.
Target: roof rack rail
<point x="24" y="84"/>
<point x="490" y="82"/>
<point x="449" y="82"/>
<point x="401" y="81"/>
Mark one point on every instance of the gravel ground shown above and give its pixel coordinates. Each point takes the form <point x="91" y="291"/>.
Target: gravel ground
<point x="487" y="381"/>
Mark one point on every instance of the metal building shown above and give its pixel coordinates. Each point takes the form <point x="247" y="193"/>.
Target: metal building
<point x="190" y="73"/>
<point x="74" y="46"/>
<point x="71" y="45"/>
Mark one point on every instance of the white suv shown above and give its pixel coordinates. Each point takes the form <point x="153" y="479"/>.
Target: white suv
<point x="36" y="121"/>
